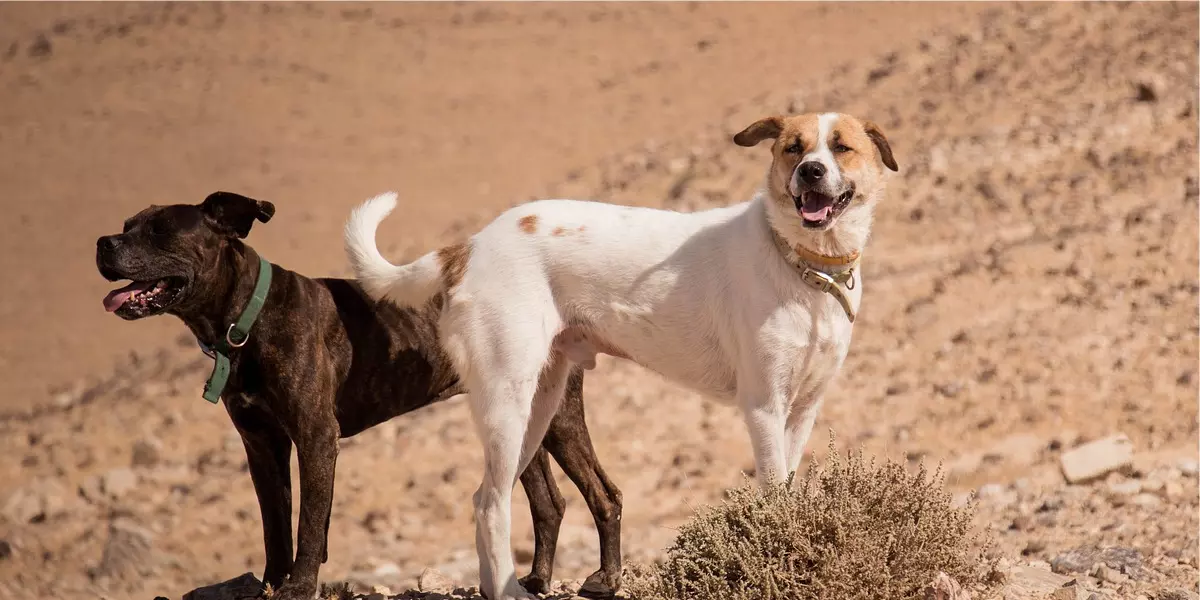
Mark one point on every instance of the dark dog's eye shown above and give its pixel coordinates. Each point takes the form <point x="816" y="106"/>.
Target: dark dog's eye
<point x="156" y="228"/>
<point x="793" y="149"/>
<point x="840" y="148"/>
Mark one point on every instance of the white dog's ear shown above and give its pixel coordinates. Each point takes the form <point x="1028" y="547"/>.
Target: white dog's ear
<point x="758" y="131"/>
<point x="885" y="149"/>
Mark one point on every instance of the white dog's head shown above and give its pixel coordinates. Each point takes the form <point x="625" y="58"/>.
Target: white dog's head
<point x="825" y="165"/>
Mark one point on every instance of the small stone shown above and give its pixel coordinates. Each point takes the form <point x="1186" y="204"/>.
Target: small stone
<point x="146" y="452"/>
<point x="1146" y="500"/>
<point x="245" y="585"/>
<point x="118" y="482"/>
<point x="5" y="550"/>
<point x="1071" y="591"/>
<point x="996" y="494"/>
<point x="1124" y="489"/>
<point x="1022" y="523"/>
<point x="36" y="502"/>
<point x="1149" y="87"/>
<point x="1178" y="594"/>
<point x="1078" y="560"/>
<point x="128" y="550"/>
<point x="1096" y="459"/>
<point x="944" y="587"/>
<point x="40" y="47"/>
<point x="1106" y="573"/>
<point x="382" y="589"/>
<point x="1029" y="581"/>
<point x="432" y="580"/>
<point x="1188" y="468"/>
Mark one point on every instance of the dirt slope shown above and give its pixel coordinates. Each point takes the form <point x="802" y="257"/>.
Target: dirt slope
<point x="1031" y="284"/>
<point x="461" y="107"/>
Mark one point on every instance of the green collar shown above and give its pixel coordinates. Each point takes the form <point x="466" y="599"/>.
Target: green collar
<point x="237" y="335"/>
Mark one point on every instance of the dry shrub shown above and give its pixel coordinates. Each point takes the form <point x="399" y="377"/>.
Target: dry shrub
<point x="850" y="530"/>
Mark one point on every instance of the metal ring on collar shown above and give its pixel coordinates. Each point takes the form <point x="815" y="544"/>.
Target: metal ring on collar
<point x="229" y="338"/>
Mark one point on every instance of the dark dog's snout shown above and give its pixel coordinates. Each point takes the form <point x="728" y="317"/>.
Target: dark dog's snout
<point x="811" y="171"/>
<point x="107" y="243"/>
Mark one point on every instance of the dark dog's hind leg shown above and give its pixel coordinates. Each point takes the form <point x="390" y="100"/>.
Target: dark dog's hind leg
<point x="569" y="442"/>
<point x="548" y="507"/>
<point x="269" y="454"/>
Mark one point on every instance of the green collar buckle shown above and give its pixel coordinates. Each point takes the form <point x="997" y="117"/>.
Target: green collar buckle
<point x="237" y="335"/>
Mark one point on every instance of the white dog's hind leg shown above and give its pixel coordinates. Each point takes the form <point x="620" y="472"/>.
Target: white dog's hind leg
<point x="502" y="411"/>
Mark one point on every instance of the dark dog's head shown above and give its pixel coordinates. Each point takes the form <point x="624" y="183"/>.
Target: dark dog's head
<point x="170" y="251"/>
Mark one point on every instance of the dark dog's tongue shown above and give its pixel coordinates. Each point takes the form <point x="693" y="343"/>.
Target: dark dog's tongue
<point x="815" y="207"/>
<point x="117" y="298"/>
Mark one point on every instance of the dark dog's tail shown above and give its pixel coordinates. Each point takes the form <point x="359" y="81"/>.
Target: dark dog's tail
<point x="406" y="285"/>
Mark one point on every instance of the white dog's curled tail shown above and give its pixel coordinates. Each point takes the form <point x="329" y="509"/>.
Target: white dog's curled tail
<point x="406" y="285"/>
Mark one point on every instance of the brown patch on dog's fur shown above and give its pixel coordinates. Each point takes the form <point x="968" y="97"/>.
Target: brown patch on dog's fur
<point x="528" y="223"/>
<point x="453" y="260"/>
<point x="561" y="231"/>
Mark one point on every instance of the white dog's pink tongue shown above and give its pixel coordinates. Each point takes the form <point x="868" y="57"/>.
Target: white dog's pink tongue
<point x="816" y="215"/>
<point x="117" y="298"/>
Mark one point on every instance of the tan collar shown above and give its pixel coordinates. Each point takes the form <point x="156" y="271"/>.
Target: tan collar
<point x="834" y="275"/>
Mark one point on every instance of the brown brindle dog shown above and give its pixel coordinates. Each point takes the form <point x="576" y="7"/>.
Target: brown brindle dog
<point x="324" y="361"/>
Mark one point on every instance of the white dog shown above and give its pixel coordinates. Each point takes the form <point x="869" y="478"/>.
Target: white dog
<point x="752" y="303"/>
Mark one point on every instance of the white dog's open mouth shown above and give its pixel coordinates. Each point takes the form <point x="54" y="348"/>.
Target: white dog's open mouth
<point x="819" y="210"/>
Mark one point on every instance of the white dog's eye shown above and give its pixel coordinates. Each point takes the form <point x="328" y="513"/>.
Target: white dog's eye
<point x="840" y="148"/>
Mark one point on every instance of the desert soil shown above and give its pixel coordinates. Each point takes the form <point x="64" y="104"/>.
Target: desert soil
<point x="1031" y="284"/>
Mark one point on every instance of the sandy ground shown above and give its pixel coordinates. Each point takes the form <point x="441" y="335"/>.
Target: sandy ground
<point x="1031" y="283"/>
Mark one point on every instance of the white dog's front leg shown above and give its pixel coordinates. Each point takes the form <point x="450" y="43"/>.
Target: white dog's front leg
<point x="799" y="429"/>
<point x="765" y="412"/>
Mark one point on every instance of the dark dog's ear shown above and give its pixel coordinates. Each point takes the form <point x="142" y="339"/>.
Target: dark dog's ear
<point x="885" y="149"/>
<point x="758" y="131"/>
<point x="234" y="214"/>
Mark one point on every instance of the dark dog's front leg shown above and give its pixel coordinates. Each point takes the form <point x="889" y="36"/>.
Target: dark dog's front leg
<point x="570" y="443"/>
<point x="317" y="451"/>
<point x="269" y="454"/>
<point x="547" y="505"/>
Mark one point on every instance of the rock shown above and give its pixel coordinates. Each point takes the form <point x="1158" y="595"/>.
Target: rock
<point x="1077" y="561"/>
<point x="40" y="47"/>
<point x="1096" y="459"/>
<point x="1146" y="500"/>
<point x="1070" y="591"/>
<point x="1178" y="594"/>
<point x="432" y="580"/>
<point x="1188" y="467"/>
<point x="118" y="482"/>
<point x="1026" y="581"/>
<point x="944" y="587"/>
<point x="128" y="550"/>
<point x="92" y="489"/>
<point x="996" y="494"/>
<point x="1123" y="490"/>
<point x="1104" y="572"/>
<point x="1149" y="87"/>
<point x="5" y="550"/>
<point x="242" y="587"/>
<point x="146" y="452"/>
<point x="36" y="502"/>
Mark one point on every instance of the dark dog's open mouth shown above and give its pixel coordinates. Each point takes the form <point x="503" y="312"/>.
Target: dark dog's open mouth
<point x="819" y="210"/>
<point x="144" y="298"/>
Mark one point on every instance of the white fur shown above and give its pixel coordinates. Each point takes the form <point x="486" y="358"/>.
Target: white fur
<point x="703" y="298"/>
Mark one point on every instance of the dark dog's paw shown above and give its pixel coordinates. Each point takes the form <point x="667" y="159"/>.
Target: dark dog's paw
<point x="535" y="584"/>
<point x="601" y="585"/>
<point x="293" y="591"/>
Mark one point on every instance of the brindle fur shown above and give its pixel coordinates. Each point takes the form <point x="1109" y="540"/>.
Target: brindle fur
<point x="323" y="362"/>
